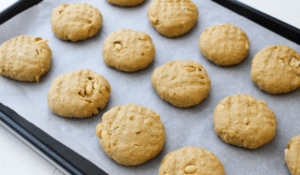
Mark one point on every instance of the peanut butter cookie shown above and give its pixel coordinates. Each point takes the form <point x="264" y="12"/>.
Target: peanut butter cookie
<point x="25" y="58"/>
<point x="224" y="44"/>
<point x="173" y="18"/>
<point x="181" y="83"/>
<point x="77" y="21"/>
<point x="128" y="50"/>
<point x="276" y="69"/>
<point x="292" y="155"/>
<point x="126" y="3"/>
<point x="244" y="121"/>
<point x="131" y="134"/>
<point x="78" y="94"/>
<point x="191" y="160"/>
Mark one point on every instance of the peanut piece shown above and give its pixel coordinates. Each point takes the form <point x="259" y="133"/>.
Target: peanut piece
<point x="99" y="130"/>
<point x="105" y="137"/>
<point x="220" y="107"/>
<point x="118" y="46"/>
<point x="190" y="68"/>
<point x="82" y="92"/>
<point x="148" y="122"/>
<point x="89" y="88"/>
<point x="39" y="40"/>
<point x="190" y="169"/>
<point x="247" y="45"/>
<point x="295" y="62"/>
<point x="153" y="20"/>
<point x="95" y="85"/>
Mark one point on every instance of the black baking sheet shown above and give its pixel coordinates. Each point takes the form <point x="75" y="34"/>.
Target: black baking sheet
<point x="70" y="160"/>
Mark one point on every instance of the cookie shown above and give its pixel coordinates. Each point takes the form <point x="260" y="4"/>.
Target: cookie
<point x="224" y="44"/>
<point x="131" y="134"/>
<point x="181" y="83"/>
<point x="173" y="18"/>
<point x="77" y="21"/>
<point x="191" y="160"/>
<point x="244" y="121"/>
<point x="276" y="69"/>
<point x="81" y="93"/>
<point x="128" y="50"/>
<point x="126" y="3"/>
<point x="292" y="155"/>
<point x="25" y="58"/>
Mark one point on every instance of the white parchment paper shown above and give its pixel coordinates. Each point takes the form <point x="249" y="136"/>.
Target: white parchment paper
<point x="184" y="127"/>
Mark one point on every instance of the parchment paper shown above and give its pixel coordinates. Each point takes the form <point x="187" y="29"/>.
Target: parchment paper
<point x="184" y="127"/>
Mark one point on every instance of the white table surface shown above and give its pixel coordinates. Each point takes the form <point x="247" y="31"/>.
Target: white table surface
<point x="17" y="157"/>
<point x="284" y="10"/>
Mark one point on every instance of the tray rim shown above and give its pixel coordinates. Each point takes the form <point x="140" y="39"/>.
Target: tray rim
<point x="286" y="30"/>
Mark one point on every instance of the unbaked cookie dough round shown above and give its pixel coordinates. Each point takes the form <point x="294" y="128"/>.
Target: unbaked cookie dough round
<point x="126" y="3"/>
<point x="292" y="155"/>
<point x="77" y="21"/>
<point x="191" y="160"/>
<point x="79" y="94"/>
<point x="131" y="134"/>
<point x="276" y="69"/>
<point x="224" y="44"/>
<point x="25" y="58"/>
<point x="173" y="18"/>
<point x="181" y="83"/>
<point x="244" y="121"/>
<point x="128" y="50"/>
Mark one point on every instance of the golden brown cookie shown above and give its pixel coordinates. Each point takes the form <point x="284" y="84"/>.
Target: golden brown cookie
<point x="81" y="93"/>
<point x="173" y="18"/>
<point x="131" y="134"/>
<point x="244" y="121"/>
<point x="77" y="21"/>
<point x="292" y="155"/>
<point x="25" y="58"/>
<point x="191" y="160"/>
<point x="126" y="3"/>
<point x="224" y="44"/>
<point x="181" y="83"/>
<point x="128" y="50"/>
<point x="276" y="69"/>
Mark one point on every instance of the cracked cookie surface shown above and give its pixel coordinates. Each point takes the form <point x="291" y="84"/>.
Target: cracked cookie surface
<point x="79" y="94"/>
<point x="181" y="83"/>
<point x="276" y="69"/>
<point x="244" y="121"/>
<point x="77" y="21"/>
<point x="292" y="155"/>
<point x="128" y="50"/>
<point x="25" y="58"/>
<point x="126" y="3"/>
<point x="131" y="134"/>
<point x="191" y="160"/>
<point x="224" y="44"/>
<point x="173" y="18"/>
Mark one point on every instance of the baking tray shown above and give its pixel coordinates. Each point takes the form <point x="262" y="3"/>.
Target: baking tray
<point x="70" y="160"/>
